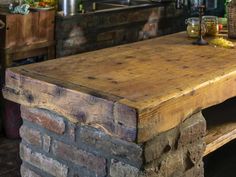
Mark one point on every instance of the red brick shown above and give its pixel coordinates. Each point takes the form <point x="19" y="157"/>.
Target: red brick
<point x="80" y="157"/>
<point x="31" y="136"/>
<point x="25" y="172"/>
<point x="42" y="162"/>
<point x="44" y="118"/>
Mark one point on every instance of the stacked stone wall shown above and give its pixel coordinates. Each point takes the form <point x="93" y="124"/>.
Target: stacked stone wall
<point x="53" y="146"/>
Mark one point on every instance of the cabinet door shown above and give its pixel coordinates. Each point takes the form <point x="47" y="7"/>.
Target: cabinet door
<point x="18" y="30"/>
<point x="46" y="27"/>
<point x="24" y="30"/>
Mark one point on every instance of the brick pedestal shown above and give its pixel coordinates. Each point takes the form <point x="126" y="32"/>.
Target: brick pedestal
<point x="53" y="146"/>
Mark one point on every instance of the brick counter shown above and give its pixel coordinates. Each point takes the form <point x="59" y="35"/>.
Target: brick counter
<point x="123" y="112"/>
<point x="91" y="31"/>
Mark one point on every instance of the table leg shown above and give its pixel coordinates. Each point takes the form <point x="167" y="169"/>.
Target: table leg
<point x="51" y="52"/>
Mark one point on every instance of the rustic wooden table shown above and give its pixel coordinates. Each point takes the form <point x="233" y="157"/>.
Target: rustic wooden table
<point x="156" y="84"/>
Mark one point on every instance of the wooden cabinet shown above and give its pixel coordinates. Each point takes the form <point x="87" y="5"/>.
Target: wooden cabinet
<point x="25" y="36"/>
<point x="28" y="29"/>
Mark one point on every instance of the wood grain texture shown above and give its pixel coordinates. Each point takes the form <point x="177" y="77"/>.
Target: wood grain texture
<point x="165" y="80"/>
<point x="76" y="103"/>
<point x="221" y="125"/>
<point x="219" y="136"/>
<point x="24" y="30"/>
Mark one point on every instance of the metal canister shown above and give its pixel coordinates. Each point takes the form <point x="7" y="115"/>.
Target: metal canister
<point x="69" y="7"/>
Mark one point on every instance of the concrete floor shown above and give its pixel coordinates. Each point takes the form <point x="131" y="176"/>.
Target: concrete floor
<point x="9" y="158"/>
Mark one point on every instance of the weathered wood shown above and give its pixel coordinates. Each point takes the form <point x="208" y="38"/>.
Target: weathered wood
<point x="219" y="136"/>
<point x="221" y="125"/>
<point x="23" y="30"/>
<point x="78" y="104"/>
<point x="165" y="80"/>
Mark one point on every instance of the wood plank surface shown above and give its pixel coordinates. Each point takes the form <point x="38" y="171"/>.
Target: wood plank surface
<point x="25" y="30"/>
<point x="219" y="136"/>
<point x="165" y="80"/>
<point x="221" y="125"/>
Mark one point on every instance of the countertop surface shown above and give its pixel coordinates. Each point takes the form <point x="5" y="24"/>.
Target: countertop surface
<point x="164" y="80"/>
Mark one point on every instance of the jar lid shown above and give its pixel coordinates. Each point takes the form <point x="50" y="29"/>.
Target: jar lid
<point x="192" y="21"/>
<point x="208" y="17"/>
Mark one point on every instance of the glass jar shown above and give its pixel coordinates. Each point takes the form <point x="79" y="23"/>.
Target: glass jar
<point x="212" y="25"/>
<point x="193" y="27"/>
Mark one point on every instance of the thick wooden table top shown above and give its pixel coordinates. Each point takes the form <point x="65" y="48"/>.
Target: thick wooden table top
<point x="160" y="82"/>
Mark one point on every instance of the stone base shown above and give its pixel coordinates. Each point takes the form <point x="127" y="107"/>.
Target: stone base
<point x="53" y="146"/>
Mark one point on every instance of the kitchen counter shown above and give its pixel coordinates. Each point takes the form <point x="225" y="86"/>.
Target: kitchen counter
<point x="133" y="92"/>
<point x="116" y="25"/>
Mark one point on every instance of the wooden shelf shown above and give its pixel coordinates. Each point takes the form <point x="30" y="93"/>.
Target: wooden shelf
<point x="221" y="125"/>
<point x="219" y="136"/>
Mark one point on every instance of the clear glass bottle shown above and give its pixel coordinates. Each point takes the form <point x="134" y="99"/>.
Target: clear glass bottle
<point x="193" y="27"/>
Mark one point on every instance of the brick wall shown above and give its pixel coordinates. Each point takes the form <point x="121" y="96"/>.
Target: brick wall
<point x="53" y="146"/>
<point x="86" y="32"/>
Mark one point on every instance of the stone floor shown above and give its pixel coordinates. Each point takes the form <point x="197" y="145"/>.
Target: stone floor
<point x="9" y="158"/>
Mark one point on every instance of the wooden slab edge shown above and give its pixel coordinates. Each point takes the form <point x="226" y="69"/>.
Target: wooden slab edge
<point x="171" y="113"/>
<point x="114" y="118"/>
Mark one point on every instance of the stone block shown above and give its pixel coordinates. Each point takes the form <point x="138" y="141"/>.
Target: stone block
<point x="71" y="129"/>
<point x="196" y="171"/>
<point x="169" y="165"/>
<point x="80" y="157"/>
<point x="192" y="129"/>
<point x="195" y="152"/>
<point x="105" y="36"/>
<point x="42" y="162"/>
<point x="26" y="172"/>
<point x="46" y="143"/>
<point x="172" y="165"/>
<point x="109" y="145"/>
<point x="31" y="136"/>
<point x="160" y="145"/>
<point x="119" y="169"/>
<point x="44" y="118"/>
